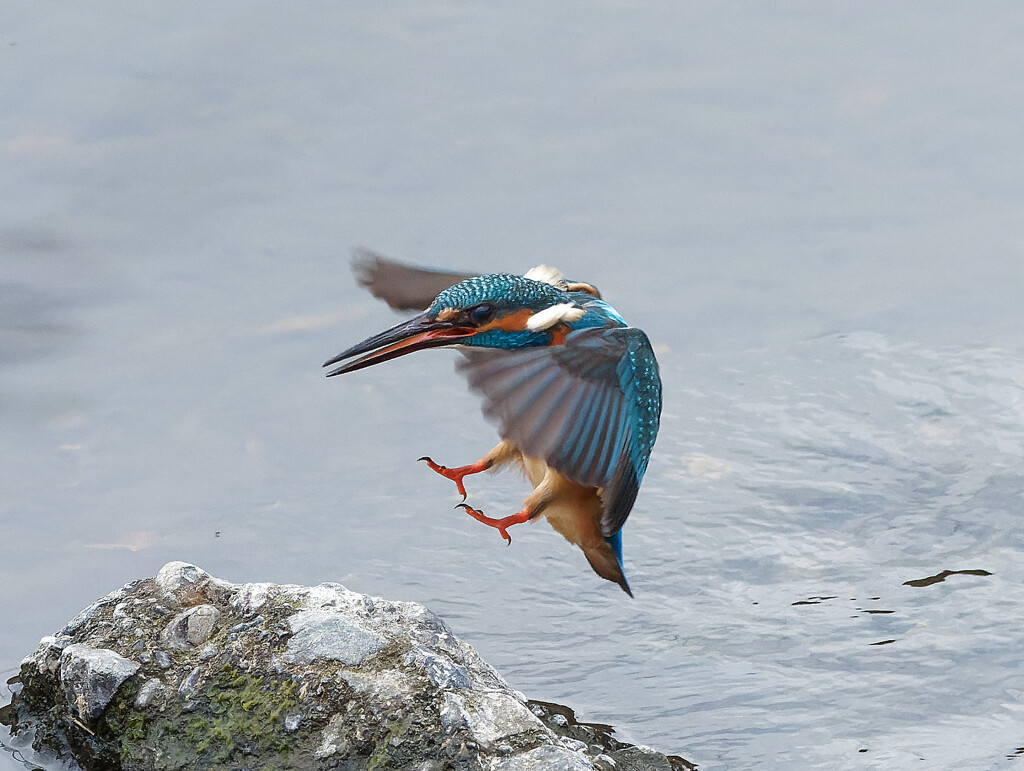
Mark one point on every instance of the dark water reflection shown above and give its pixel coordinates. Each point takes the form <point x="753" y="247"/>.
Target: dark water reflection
<point x="814" y="216"/>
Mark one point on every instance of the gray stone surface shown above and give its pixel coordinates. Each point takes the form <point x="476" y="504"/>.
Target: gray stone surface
<point x="441" y="670"/>
<point x="330" y="636"/>
<point x="641" y="759"/>
<point x="545" y="758"/>
<point x="187" y="671"/>
<point x="91" y="676"/>
<point x="191" y="627"/>
<point x="147" y="692"/>
<point x="488" y="716"/>
<point x="180" y="583"/>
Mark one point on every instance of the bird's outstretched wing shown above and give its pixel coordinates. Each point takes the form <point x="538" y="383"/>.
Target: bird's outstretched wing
<point x="403" y="287"/>
<point x="590" y="408"/>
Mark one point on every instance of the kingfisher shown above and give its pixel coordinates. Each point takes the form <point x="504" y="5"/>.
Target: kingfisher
<point x="574" y="389"/>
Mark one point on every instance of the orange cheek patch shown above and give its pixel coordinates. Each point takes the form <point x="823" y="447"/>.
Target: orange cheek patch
<point x="513" y="322"/>
<point x="516" y="322"/>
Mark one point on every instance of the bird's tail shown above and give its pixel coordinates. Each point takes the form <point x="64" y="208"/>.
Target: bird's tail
<point x="606" y="560"/>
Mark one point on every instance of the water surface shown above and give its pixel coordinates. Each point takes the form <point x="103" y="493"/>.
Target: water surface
<point x="815" y="211"/>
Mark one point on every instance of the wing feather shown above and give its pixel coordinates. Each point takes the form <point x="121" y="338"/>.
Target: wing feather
<point x="403" y="287"/>
<point x="579" y="406"/>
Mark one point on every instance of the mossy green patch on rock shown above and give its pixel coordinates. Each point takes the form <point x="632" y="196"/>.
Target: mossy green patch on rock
<point x="234" y="720"/>
<point x="380" y="757"/>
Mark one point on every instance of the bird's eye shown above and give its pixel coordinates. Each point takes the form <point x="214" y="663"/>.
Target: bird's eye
<point x="481" y="314"/>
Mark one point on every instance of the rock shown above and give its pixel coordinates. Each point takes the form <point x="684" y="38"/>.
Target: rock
<point x="208" y="652"/>
<point x="488" y="716"/>
<point x="190" y="682"/>
<point x="441" y="670"/>
<point x="641" y="759"/>
<point x="191" y="627"/>
<point x="250" y="598"/>
<point x="546" y="758"/>
<point x="186" y="671"/>
<point x="149" y="690"/>
<point x="91" y="676"/>
<point x="330" y="636"/>
<point x="180" y="583"/>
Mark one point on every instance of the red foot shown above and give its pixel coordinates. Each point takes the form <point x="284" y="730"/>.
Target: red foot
<point x="456" y="474"/>
<point x="500" y="524"/>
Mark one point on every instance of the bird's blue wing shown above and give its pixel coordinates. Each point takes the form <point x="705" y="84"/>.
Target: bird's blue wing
<point x="589" y="408"/>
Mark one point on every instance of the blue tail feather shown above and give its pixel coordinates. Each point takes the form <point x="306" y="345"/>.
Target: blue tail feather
<point x="615" y="541"/>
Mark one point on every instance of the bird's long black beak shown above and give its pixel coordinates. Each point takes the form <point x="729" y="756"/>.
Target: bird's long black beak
<point x="415" y="334"/>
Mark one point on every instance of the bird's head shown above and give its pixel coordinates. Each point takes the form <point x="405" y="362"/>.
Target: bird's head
<point x="500" y="310"/>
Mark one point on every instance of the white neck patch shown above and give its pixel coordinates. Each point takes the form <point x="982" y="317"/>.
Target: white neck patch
<point x="556" y="314"/>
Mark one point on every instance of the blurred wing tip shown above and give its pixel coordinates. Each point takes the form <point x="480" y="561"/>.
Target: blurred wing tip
<point x="365" y="265"/>
<point x="402" y="286"/>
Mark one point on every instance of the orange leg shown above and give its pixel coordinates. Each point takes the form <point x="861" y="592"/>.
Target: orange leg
<point x="457" y="474"/>
<point x="500" y="524"/>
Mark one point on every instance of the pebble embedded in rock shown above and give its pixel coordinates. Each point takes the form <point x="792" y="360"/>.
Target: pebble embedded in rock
<point x="441" y="670"/>
<point x="181" y="583"/>
<point x="189" y="683"/>
<point x="331" y="740"/>
<point x="191" y="627"/>
<point x="201" y="623"/>
<point x="208" y="652"/>
<point x="91" y="677"/>
<point x="149" y="690"/>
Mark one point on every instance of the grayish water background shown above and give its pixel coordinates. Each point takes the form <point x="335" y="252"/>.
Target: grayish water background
<point x="815" y="210"/>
